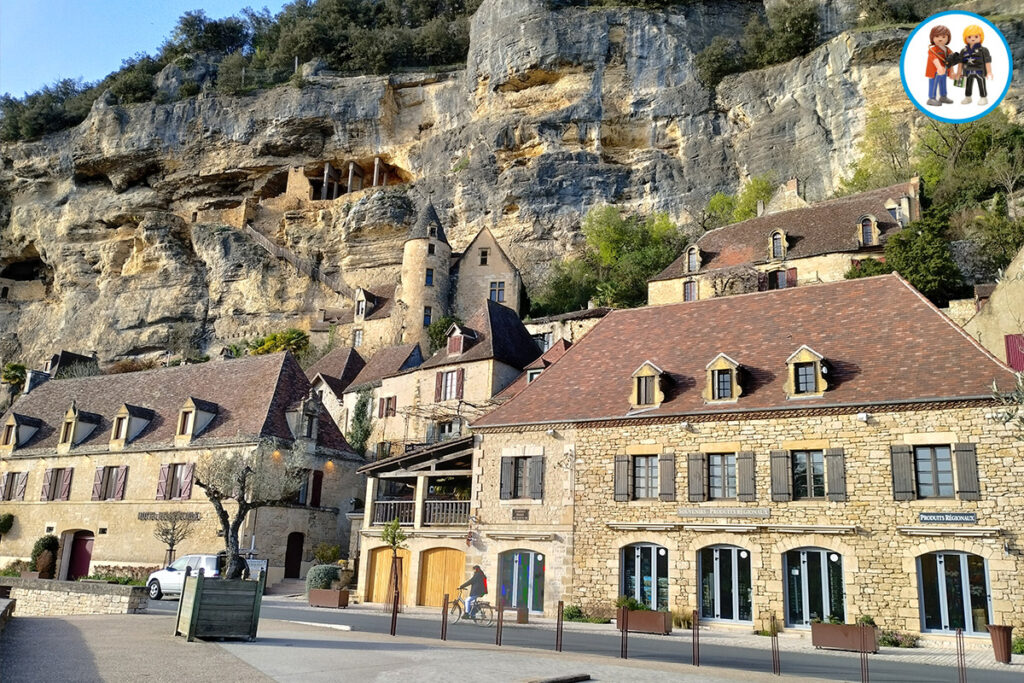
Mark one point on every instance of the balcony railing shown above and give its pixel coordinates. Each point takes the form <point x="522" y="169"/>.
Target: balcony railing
<point x="445" y="512"/>
<point x="385" y="511"/>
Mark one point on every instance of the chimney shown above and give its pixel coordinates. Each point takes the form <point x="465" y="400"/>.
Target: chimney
<point x="793" y="185"/>
<point x="760" y="207"/>
<point x="34" y="378"/>
<point x="905" y="215"/>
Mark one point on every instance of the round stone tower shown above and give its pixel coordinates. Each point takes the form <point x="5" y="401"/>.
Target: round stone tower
<point x="424" y="293"/>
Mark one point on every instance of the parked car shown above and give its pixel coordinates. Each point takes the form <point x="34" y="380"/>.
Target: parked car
<point x="171" y="579"/>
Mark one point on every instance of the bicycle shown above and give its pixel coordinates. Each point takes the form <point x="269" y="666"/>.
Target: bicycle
<point x="483" y="613"/>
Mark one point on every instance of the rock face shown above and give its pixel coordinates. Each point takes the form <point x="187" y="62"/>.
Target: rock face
<point x="120" y="230"/>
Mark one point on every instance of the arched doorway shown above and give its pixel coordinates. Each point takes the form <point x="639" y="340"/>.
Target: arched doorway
<point x="293" y="555"/>
<point x="725" y="583"/>
<point x="954" y="592"/>
<point x="522" y="579"/>
<point x="441" y="571"/>
<point x="378" y="575"/>
<point x="645" y="574"/>
<point x="814" y="586"/>
<point x="81" y="555"/>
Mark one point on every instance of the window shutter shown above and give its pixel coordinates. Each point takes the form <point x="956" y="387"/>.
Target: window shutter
<point x="47" y="478"/>
<point x="3" y="482"/>
<point x="97" y="484"/>
<point x="835" y="470"/>
<point x="791" y="277"/>
<point x="1015" y="351"/>
<point x="380" y="408"/>
<point x="506" y="478"/>
<point x="460" y="375"/>
<point x="902" y="472"/>
<point x="536" y="469"/>
<point x="438" y="381"/>
<point x="967" y="471"/>
<point x="161" y="483"/>
<point x="746" y="487"/>
<point x="667" y="476"/>
<point x="186" y="481"/>
<point x="122" y="479"/>
<point x="762" y="282"/>
<point x="782" y="478"/>
<point x="621" y="478"/>
<point x="318" y="486"/>
<point x="22" y="485"/>
<point x="695" y="477"/>
<point x="65" y="485"/>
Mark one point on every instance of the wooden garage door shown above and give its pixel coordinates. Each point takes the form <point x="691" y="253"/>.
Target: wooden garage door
<point x="379" y="571"/>
<point x="441" y="571"/>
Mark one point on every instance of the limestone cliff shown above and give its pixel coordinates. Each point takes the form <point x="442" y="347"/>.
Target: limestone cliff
<point x="115" y="231"/>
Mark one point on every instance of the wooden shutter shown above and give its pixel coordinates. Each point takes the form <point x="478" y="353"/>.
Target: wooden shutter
<point x="3" y="483"/>
<point x="438" y="381"/>
<point x="161" y="483"/>
<point x="460" y="376"/>
<point x="782" y="477"/>
<point x="835" y="472"/>
<point x="97" y="484"/>
<point x="536" y="470"/>
<point x="380" y="408"/>
<point x="65" y="485"/>
<point x="746" y="486"/>
<point x="696" y="478"/>
<point x="967" y="471"/>
<point x="791" y="277"/>
<point x="22" y="485"/>
<point x="122" y="479"/>
<point x="186" y="481"/>
<point x="318" y="486"/>
<point x="902" y="472"/>
<point x="667" y="476"/>
<point x="762" y="282"/>
<point x="622" y="477"/>
<point x="1015" y="351"/>
<point x="506" y="478"/>
<point x="47" y="478"/>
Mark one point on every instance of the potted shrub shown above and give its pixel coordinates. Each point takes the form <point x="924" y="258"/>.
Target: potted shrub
<point x="836" y="635"/>
<point x="639" y="618"/>
<point x="319" y="582"/>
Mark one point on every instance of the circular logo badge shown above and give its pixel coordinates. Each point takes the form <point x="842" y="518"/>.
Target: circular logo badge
<point x="956" y="66"/>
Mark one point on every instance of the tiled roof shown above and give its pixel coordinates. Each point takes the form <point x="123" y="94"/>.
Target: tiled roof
<point x="883" y="342"/>
<point x="823" y="228"/>
<point x="500" y="335"/>
<point x="341" y="365"/>
<point x="384" y="301"/>
<point x="556" y="351"/>
<point x="250" y="396"/>
<point x="582" y="314"/>
<point x="426" y="220"/>
<point x="388" y="361"/>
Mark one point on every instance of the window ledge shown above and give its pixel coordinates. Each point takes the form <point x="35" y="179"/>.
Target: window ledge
<point x="950" y="530"/>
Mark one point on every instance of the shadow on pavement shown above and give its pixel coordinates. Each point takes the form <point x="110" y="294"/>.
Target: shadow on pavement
<point x="45" y="649"/>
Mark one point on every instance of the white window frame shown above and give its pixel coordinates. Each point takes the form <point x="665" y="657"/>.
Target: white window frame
<point x="449" y="384"/>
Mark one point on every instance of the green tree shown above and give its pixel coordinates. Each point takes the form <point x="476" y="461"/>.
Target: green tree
<point x="883" y="154"/>
<point x="998" y="237"/>
<point x="719" y="59"/>
<point x="292" y="339"/>
<point x="867" y="268"/>
<point x="720" y="208"/>
<point x="794" y="30"/>
<point x="14" y="375"/>
<point x="570" y="285"/>
<point x="758" y="188"/>
<point x="229" y="73"/>
<point x="437" y="332"/>
<point x="362" y="423"/>
<point x="920" y="253"/>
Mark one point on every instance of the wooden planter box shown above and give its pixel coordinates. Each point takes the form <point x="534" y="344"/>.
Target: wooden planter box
<point x="219" y="608"/>
<point x="845" y="637"/>
<point x="327" y="597"/>
<point x="645" y="621"/>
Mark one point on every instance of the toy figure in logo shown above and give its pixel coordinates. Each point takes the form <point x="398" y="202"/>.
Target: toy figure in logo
<point x="938" y="57"/>
<point x="974" y="64"/>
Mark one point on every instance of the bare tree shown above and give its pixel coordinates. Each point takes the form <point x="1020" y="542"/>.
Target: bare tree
<point x="266" y="475"/>
<point x="734" y="280"/>
<point x="1007" y="168"/>
<point x="172" y="528"/>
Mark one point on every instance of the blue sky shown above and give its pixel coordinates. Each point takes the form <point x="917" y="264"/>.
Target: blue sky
<point x="43" y="40"/>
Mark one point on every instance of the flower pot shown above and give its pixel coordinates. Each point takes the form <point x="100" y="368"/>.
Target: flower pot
<point x="845" y="637"/>
<point x="325" y="597"/>
<point x="644" y="621"/>
<point x="1002" y="641"/>
<point x="219" y="608"/>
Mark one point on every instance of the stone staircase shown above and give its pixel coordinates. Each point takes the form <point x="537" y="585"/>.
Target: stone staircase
<point x="304" y="266"/>
<point x="286" y="587"/>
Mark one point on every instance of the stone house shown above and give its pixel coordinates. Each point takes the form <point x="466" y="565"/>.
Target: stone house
<point x="999" y="321"/>
<point x="331" y="375"/>
<point x="759" y="455"/>
<point x="568" y="326"/>
<point x="97" y="460"/>
<point x="790" y="246"/>
<point x="385" y="363"/>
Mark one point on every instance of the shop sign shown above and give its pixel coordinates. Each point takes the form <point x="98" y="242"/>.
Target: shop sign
<point x="169" y="516"/>
<point x="947" y="518"/>
<point x="712" y="513"/>
<point x="520" y="515"/>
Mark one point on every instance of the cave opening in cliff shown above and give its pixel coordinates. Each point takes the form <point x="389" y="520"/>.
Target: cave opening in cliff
<point x="25" y="268"/>
<point x="332" y="180"/>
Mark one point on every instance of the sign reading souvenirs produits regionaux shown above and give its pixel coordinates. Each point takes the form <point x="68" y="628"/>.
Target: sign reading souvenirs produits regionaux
<point x="168" y="516"/>
<point x="947" y="518"/>
<point x="706" y="513"/>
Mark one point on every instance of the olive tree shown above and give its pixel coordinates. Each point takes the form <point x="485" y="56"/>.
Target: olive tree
<point x="246" y="479"/>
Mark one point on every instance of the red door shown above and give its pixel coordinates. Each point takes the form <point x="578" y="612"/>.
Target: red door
<point x="81" y="555"/>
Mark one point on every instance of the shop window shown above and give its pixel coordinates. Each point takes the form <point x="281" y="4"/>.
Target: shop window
<point x="645" y="574"/>
<point x="725" y="584"/>
<point x="521" y="575"/>
<point x="814" y="586"/>
<point x="954" y="592"/>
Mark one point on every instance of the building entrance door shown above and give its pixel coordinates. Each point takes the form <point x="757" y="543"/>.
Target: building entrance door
<point x="293" y="555"/>
<point x="954" y="592"/>
<point x="522" y="579"/>
<point x="645" y="574"/>
<point x="81" y="555"/>
<point x="814" y="586"/>
<point x="725" y="588"/>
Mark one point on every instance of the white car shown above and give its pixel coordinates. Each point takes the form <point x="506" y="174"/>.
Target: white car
<point x="171" y="579"/>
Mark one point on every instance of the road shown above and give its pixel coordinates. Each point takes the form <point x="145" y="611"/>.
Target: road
<point x="675" y="650"/>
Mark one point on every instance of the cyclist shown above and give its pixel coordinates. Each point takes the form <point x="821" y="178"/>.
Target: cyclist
<point x="477" y="588"/>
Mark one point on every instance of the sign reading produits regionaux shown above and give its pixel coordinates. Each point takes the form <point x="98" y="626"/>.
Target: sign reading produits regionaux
<point x="947" y="517"/>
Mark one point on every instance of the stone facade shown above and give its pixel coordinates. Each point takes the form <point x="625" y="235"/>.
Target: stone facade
<point x="41" y="598"/>
<point x="1003" y="315"/>
<point x="483" y="266"/>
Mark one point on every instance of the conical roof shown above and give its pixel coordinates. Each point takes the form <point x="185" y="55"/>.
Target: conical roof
<point x="427" y="221"/>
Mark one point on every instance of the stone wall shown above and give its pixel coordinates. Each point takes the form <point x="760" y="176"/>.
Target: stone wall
<point x="1003" y="314"/>
<point x="42" y="598"/>
<point x="473" y="283"/>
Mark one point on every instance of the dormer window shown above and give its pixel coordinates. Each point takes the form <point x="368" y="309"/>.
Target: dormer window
<point x="646" y="390"/>
<point x="185" y="423"/>
<point x="361" y="307"/>
<point x="120" y="428"/>
<point x="195" y="416"/>
<point x="8" y="439"/>
<point x="455" y="343"/>
<point x="532" y="375"/>
<point x="778" y="246"/>
<point x="18" y="430"/>
<point x="66" y="431"/>
<point x="77" y="427"/>
<point x="433" y="231"/>
<point x="868" y="232"/>
<point x="692" y="260"/>
<point x="310" y="426"/>
<point x="129" y="422"/>
<point x="806" y="374"/>
<point x="722" y="383"/>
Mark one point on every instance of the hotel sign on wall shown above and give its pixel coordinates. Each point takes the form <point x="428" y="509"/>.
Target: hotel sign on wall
<point x="168" y="516"/>
<point x="947" y="518"/>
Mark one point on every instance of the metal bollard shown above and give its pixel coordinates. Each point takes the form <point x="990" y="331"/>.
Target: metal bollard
<point x="624" y="646"/>
<point x="558" y="627"/>
<point x="444" y="618"/>
<point x="695" y="637"/>
<point x="501" y="621"/>
<point x="864" y="653"/>
<point x="394" y="614"/>
<point x="776" y="660"/>
<point x="961" y="657"/>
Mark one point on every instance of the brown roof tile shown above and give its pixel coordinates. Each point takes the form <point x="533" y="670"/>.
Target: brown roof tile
<point x="500" y="335"/>
<point x="388" y="361"/>
<point x="341" y="364"/>
<point x="884" y="343"/>
<point x="556" y="351"/>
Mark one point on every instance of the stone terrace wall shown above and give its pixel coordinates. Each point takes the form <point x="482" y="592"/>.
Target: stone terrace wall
<point x="44" y="598"/>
